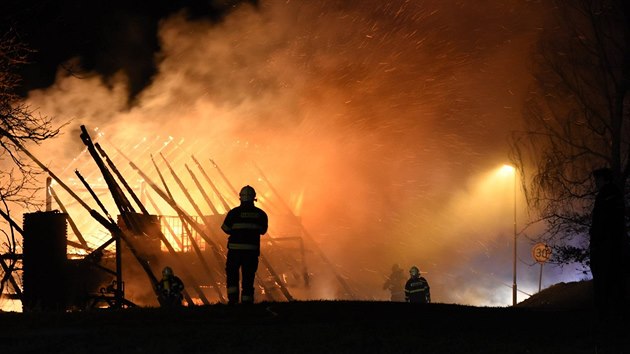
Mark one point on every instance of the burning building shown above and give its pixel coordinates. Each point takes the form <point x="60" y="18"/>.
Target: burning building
<point x="111" y="262"/>
<point x="374" y="122"/>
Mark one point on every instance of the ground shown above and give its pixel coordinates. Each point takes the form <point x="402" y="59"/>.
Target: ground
<point x="312" y="327"/>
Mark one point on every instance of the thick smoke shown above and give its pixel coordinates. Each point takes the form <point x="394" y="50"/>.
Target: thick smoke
<point x="380" y="123"/>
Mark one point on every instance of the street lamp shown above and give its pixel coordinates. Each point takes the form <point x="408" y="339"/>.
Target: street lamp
<point x="511" y="169"/>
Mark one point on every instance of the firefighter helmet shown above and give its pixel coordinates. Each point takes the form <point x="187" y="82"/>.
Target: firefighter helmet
<point x="167" y="272"/>
<point x="247" y="194"/>
<point x="414" y="271"/>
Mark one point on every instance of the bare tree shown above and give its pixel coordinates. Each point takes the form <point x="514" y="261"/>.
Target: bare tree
<point x="18" y="121"/>
<point x="18" y="124"/>
<point x="577" y="118"/>
<point x="10" y="264"/>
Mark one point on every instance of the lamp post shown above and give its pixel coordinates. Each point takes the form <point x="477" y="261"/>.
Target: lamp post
<point x="512" y="169"/>
<point x="514" y="258"/>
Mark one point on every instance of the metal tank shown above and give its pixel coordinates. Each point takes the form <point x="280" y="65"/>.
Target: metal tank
<point x="44" y="261"/>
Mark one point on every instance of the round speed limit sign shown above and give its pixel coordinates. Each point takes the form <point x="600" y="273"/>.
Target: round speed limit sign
<point x="541" y="252"/>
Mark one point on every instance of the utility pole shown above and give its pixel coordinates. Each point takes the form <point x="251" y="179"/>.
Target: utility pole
<point x="514" y="265"/>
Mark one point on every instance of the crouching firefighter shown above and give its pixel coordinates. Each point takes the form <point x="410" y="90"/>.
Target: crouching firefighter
<point x="417" y="288"/>
<point x="170" y="289"/>
<point x="244" y="224"/>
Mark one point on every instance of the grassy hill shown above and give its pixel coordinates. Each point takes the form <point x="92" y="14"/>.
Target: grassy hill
<point x="310" y="327"/>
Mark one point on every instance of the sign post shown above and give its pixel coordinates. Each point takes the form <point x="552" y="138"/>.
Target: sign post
<point x="541" y="254"/>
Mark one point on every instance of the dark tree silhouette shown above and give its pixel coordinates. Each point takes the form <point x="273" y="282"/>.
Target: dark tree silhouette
<point x="18" y="124"/>
<point x="577" y="118"/>
<point x="18" y="121"/>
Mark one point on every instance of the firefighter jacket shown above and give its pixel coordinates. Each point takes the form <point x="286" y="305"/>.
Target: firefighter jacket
<point x="395" y="284"/>
<point x="417" y="290"/>
<point x="171" y="287"/>
<point x="244" y="225"/>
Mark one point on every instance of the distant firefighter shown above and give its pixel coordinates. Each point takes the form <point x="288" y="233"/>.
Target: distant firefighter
<point x="417" y="288"/>
<point x="244" y="224"/>
<point x="170" y="289"/>
<point x="396" y="284"/>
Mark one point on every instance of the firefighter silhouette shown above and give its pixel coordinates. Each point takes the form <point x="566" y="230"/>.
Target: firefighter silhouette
<point x="244" y="224"/>
<point x="417" y="288"/>
<point x="396" y="284"/>
<point x="170" y="289"/>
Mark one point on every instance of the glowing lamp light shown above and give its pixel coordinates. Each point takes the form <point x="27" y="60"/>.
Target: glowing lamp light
<point x="507" y="170"/>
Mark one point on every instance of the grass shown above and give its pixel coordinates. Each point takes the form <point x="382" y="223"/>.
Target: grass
<point x="308" y="327"/>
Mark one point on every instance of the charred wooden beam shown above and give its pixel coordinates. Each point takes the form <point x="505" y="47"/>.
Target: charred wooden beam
<point x="212" y="185"/>
<point x="318" y="250"/>
<point x="125" y="209"/>
<point x="8" y="275"/>
<point x="187" y="222"/>
<point x="113" y="228"/>
<point x="73" y="225"/>
<point x="205" y="196"/>
<point x="122" y="180"/>
<point x="223" y="176"/>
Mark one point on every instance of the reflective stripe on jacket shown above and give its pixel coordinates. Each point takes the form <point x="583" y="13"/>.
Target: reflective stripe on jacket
<point x="245" y="224"/>
<point x="241" y="246"/>
<point x="417" y="290"/>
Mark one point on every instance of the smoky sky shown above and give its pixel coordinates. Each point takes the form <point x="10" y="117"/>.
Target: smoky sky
<point x="382" y="123"/>
<point x="107" y="36"/>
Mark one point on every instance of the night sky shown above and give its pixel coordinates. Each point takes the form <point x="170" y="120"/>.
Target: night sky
<point x="108" y="36"/>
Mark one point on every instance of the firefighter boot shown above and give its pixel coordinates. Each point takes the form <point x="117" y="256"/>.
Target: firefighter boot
<point x="247" y="299"/>
<point x="232" y="293"/>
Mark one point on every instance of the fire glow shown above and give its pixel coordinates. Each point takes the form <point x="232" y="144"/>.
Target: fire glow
<point x="373" y="120"/>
